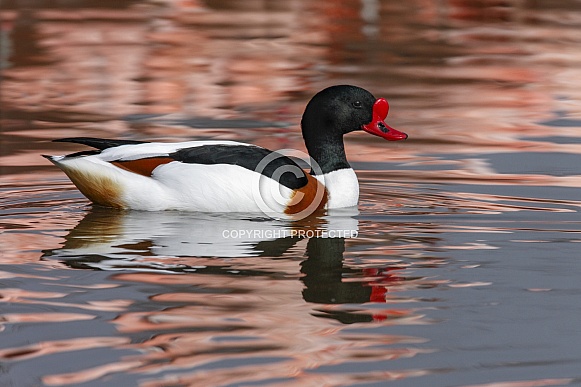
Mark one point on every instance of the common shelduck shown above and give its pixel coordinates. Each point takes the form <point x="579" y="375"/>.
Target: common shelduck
<point x="228" y="176"/>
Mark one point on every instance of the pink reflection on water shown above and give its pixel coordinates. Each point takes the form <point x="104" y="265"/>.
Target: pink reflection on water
<point x="52" y="347"/>
<point x="259" y="312"/>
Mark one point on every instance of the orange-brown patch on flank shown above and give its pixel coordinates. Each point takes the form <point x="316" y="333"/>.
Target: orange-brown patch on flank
<point x="99" y="189"/>
<point x="308" y="194"/>
<point x="143" y="167"/>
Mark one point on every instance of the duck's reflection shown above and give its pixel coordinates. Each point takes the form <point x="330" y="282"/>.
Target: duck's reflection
<point x="126" y="234"/>
<point x="219" y="245"/>
<point x="324" y="279"/>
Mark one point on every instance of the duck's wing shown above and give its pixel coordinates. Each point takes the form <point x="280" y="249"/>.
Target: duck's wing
<point x="266" y="162"/>
<point x="143" y="157"/>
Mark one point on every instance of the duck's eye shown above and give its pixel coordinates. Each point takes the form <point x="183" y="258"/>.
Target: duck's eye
<point x="357" y="104"/>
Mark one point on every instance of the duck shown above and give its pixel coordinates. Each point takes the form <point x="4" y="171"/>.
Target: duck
<point x="230" y="176"/>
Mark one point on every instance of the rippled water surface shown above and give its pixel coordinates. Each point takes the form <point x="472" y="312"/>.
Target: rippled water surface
<point x="461" y="267"/>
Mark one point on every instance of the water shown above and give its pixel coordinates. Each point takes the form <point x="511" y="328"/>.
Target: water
<point x="461" y="267"/>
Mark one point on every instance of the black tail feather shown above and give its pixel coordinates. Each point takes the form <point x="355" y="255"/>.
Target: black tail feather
<point x="99" y="143"/>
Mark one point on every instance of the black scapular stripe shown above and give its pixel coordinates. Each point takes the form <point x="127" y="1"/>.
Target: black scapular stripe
<point x="250" y="157"/>
<point x="99" y="143"/>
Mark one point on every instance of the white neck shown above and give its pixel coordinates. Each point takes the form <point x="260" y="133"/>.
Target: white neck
<point x="342" y="188"/>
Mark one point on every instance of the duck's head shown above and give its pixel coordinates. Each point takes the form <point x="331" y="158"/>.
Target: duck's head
<point x="338" y="110"/>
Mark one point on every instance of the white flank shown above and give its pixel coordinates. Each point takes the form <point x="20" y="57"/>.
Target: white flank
<point x="211" y="188"/>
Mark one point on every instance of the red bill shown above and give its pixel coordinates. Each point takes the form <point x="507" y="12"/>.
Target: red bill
<point x="378" y="127"/>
